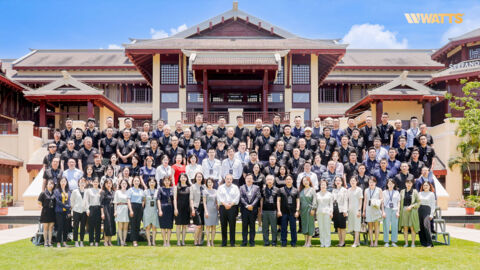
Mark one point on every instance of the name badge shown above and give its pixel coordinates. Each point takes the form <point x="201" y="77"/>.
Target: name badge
<point x="152" y="203"/>
<point x="230" y="171"/>
<point x="211" y="171"/>
<point x="289" y="200"/>
<point x="390" y="205"/>
<point x="108" y="149"/>
<point x="169" y="200"/>
<point x="425" y="159"/>
<point x="385" y="136"/>
<point x="270" y="200"/>
<point x="370" y="138"/>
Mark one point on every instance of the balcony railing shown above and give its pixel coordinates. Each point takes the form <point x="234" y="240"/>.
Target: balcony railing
<point x="8" y="128"/>
<point x="251" y="117"/>
<point x="209" y="118"/>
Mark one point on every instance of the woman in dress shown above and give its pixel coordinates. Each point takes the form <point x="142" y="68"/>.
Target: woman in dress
<point x="46" y="200"/>
<point x="92" y="200"/>
<point x="409" y="204"/>
<point x="106" y="200"/>
<point x="324" y="213"/>
<point x="121" y="211"/>
<point x="308" y="207"/>
<point x="355" y="196"/>
<point x="391" y="208"/>
<point x="150" y="213"/>
<point x="136" y="202"/>
<point x="109" y="174"/>
<point x="425" y="213"/>
<point x="62" y="211"/>
<point x="164" y="170"/>
<point x="79" y="212"/>
<point x="340" y="210"/>
<point x="165" y="209"/>
<point x="147" y="172"/>
<point x="178" y="168"/>
<point x="196" y="204"/>
<point x="211" y="211"/>
<point x="372" y="209"/>
<point x="181" y="204"/>
<point x="193" y="167"/>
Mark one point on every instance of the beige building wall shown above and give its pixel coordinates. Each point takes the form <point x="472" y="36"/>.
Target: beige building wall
<point x="104" y="113"/>
<point x="403" y="110"/>
<point x="313" y="86"/>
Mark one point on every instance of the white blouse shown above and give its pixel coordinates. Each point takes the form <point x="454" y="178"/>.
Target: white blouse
<point x="324" y="203"/>
<point x="191" y="170"/>
<point x="391" y="197"/>
<point x="340" y="195"/>
<point x="428" y="198"/>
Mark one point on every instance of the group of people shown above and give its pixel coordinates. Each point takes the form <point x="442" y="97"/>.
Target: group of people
<point x="274" y="175"/>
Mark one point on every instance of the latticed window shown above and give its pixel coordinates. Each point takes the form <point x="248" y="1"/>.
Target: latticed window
<point x="275" y="97"/>
<point x="190" y="78"/>
<point x="280" y="77"/>
<point x="475" y="53"/>
<point x="195" y="97"/>
<point x="327" y="95"/>
<point x="141" y="94"/>
<point x="300" y="74"/>
<point x="235" y="97"/>
<point x="169" y="74"/>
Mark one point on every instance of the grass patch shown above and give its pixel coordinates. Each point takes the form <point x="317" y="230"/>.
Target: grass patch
<point x="23" y="255"/>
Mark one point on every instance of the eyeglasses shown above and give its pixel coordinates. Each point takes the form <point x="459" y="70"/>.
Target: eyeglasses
<point x="52" y="146"/>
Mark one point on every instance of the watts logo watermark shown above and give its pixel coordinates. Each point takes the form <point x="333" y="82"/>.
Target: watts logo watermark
<point x="430" y="18"/>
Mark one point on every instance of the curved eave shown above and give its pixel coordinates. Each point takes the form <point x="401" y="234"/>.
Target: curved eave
<point x="10" y="163"/>
<point x="100" y="99"/>
<point x="10" y="83"/>
<point x="74" y="67"/>
<point x="235" y="67"/>
<point x="438" y="54"/>
<point x="367" y="100"/>
<point x="454" y="77"/>
<point x="389" y="67"/>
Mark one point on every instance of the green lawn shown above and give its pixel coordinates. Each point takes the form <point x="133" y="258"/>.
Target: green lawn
<point x="23" y="255"/>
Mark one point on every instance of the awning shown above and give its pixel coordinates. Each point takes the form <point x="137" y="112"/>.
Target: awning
<point x="235" y="59"/>
<point x="9" y="160"/>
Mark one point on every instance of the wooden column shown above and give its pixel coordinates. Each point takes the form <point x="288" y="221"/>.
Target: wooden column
<point x="205" y="94"/>
<point x="265" y="95"/>
<point x="90" y="110"/>
<point x="379" y="112"/>
<point x="464" y="53"/>
<point x="427" y="113"/>
<point x="43" y="116"/>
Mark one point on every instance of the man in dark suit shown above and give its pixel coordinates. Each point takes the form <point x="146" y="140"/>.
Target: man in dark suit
<point x="249" y="201"/>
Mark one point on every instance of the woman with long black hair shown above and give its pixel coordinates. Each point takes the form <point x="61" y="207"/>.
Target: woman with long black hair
<point x="196" y="204"/>
<point x="121" y="211"/>
<point x="136" y="202"/>
<point x="108" y="210"/>
<point x="46" y="199"/>
<point x="79" y="212"/>
<point x="181" y="204"/>
<point x="62" y="211"/>
<point x="165" y="209"/>
<point x="92" y="200"/>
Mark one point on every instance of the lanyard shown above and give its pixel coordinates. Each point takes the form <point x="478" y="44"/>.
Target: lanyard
<point x="242" y="155"/>
<point x="390" y="194"/>
<point x="210" y="164"/>
<point x="230" y="164"/>
<point x="370" y="192"/>
<point x="165" y="170"/>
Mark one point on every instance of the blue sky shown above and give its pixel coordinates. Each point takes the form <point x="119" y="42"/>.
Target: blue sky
<point x="97" y="24"/>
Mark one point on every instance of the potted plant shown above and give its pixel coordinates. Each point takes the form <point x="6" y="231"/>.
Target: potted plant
<point x="469" y="204"/>
<point x="5" y="201"/>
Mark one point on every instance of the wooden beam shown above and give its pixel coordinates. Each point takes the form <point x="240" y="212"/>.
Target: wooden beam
<point x="205" y="93"/>
<point x="43" y="117"/>
<point x="90" y="109"/>
<point x="235" y="82"/>
<point x="265" y="95"/>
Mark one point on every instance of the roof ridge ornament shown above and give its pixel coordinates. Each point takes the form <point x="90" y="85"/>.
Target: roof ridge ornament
<point x="235" y="6"/>
<point x="403" y="77"/>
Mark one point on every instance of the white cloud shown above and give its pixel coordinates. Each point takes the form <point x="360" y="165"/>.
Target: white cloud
<point x="471" y="21"/>
<point x="373" y="36"/>
<point x="156" y="34"/>
<point x="114" y="46"/>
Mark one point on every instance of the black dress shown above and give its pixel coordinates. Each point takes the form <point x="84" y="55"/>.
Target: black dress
<point x="183" y="206"/>
<point x="106" y="200"/>
<point x="48" y="207"/>
<point x="165" y="196"/>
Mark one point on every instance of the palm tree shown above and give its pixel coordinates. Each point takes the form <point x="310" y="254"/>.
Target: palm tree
<point x="467" y="150"/>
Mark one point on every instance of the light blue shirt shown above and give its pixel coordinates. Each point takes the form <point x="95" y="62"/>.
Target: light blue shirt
<point x="411" y="134"/>
<point x="136" y="195"/>
<point x="72" y="177"/>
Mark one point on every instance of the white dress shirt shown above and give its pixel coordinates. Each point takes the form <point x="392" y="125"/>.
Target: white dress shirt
<point x="228" y="194"/>
<point x="313" y="178"/>
<point x="212" y="169"/>
<point x="233" y="167"/>
<point x="243" y="157"/>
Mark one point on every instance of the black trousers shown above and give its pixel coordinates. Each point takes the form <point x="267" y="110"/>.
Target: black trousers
<point x="94" y="224"/>
<point x="135" y="220"/>
<point x="79" y="222"/>
<point x="425" y="234"/>
<point x="62" y="226"/>
<point x="228" y="218"/>
<point x="248" y="225"/>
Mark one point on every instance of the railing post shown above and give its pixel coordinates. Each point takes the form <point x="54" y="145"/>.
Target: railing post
<point x="233" y="113"/>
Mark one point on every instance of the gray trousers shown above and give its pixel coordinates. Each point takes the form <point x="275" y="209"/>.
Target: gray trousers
<point x="269" y="221"/>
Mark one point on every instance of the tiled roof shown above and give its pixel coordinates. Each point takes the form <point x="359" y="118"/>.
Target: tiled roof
<point x="388" y="57"/>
